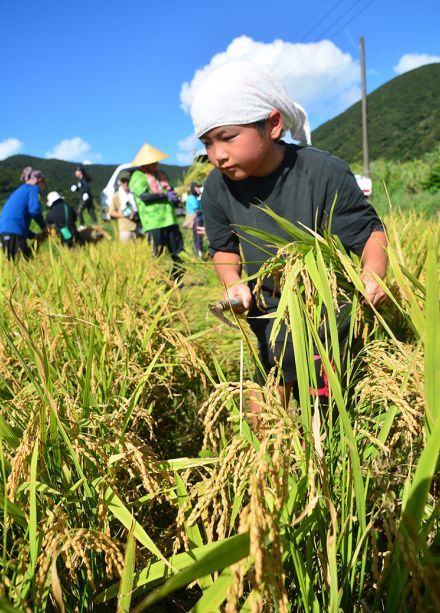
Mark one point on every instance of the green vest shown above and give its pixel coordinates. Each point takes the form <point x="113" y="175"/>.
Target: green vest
<point x="153" y="215"/>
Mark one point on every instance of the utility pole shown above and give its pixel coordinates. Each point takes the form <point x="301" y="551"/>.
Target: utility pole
<point x="364" y="111"/>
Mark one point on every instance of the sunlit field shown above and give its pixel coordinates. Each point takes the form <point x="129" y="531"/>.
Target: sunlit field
<point x="130" y="479"/>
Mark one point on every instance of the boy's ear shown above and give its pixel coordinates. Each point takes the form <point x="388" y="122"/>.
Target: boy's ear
<point x="275" y="124"/>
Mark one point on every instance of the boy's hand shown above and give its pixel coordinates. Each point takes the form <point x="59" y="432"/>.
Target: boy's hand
<point x="374" y="261"/>
<point x="242" y="292"/>
<point x="374" y="291"/>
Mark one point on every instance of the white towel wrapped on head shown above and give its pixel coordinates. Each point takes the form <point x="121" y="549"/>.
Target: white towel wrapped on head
<point x="241" y="93"/>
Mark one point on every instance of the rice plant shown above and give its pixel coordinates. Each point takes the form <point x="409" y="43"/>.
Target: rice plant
<point x="130" y="480"/>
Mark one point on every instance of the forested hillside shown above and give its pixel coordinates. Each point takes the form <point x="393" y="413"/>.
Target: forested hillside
<point x="403" y="125"/>
<point x="60" y="174"/>
<point x="403" y="120"/>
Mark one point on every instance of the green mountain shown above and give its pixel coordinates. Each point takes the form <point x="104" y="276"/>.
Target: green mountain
<point x="403" y="124"/>
<point x="60" y="175"/>
<point x="403" y="120"/>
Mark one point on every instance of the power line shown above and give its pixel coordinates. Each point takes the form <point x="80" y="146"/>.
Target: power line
<point x="354" y="17"/>
<point x="307" y="53"/>
<point x="328" y="29"/>
<point x="335" y="23"/>
<point x="323" y="19"/>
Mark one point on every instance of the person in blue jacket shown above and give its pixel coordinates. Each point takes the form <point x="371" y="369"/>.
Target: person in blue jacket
<point x="20" y="208"/>
<point x="194" y="207"/>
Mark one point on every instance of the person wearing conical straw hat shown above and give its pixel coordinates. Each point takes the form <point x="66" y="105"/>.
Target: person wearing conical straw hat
<point x="156" y="200"/>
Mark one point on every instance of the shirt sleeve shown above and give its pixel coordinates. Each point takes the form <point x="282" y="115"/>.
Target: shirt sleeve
<point x="35" y="208"/>
<point x="192" y="204"/>
<point x="350" y="215"/>
<point x="50" y="217"/>
<point x="138" y="183"/>
<point x="114" y="203"/>
<point x="219" y="231"/>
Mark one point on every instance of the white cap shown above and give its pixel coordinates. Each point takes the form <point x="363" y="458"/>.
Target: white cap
<point x="53" y="197"/>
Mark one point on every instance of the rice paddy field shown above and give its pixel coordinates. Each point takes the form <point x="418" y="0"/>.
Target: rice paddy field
<point x="130" y="480"/>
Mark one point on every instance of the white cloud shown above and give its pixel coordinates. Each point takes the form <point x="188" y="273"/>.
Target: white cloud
<point x="74" y="150"/>
<point x="188" y="147"/>
<point x="317" y="75"/>
<point x="409" y="61"/>
<point x="310" y="72"/>
<point x="10" y="146"/>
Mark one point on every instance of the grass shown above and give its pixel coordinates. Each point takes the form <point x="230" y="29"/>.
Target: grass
<point x="127" y="481"/>
<point x="406" y="183"/>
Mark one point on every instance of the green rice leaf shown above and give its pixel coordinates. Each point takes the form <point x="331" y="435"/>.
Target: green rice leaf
<point x="214" y="596"/>
<point x="432" y="338"/>
<point x="158" y="572"/>
<point x="13" y="511"/>
<point x="7" y="433"/>
<point x="120" y="511"/>
<point x="226" y="553"/>
<point x="33" y="515"/>
<point x="126" y="585"/>
<point x="7" y="607"/>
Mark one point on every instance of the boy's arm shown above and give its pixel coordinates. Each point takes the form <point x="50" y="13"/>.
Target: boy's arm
<point x="228" y="268"/>
<point x="374" y="260"/>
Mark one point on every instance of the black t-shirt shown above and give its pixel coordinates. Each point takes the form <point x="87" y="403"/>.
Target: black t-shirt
<point x="56" y="216"/>
<point x="302" y="189"/>
<point x="83" y="187"/>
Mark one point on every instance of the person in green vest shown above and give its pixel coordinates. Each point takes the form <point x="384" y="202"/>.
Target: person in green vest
<point x="156" y="201"/>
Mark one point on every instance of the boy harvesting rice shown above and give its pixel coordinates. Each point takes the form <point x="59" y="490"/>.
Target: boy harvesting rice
<point x="240" y="113"/>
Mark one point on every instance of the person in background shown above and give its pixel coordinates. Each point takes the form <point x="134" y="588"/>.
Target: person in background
<point x="194" y="208"/>
<point x="123" y="208"/>
<point x="20" y="208"/>
<point x="240" y="113"/>
<point x="190" y="215"/>
<point x="62" y="217"/>
<point x="82" y="186"/>
<point x="156" y="200"/>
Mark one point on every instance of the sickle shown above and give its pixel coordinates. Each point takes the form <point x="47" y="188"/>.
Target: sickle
<point x="218" y="309"/>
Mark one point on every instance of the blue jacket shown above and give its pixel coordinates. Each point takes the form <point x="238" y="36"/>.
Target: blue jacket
<point x="192" y="204"/>
<point x="20" y="208"/>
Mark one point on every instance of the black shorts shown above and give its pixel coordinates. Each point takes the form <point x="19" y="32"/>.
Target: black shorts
<point x="169" y="237"/>
<point x="270" y="356"/>
<point x="12" y="244"/>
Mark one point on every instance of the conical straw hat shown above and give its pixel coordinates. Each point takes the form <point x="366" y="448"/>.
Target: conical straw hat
<point x="148" y="155"/>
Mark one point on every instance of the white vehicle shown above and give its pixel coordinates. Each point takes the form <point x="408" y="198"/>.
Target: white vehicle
<point x="107" y="193"/>
<point x="365" y="183"/>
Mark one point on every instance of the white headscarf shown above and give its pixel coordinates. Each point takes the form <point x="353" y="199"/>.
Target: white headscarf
<point x="241" y="93"/>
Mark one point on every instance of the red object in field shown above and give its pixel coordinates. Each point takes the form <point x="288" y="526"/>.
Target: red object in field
<point x="365" y="183"/>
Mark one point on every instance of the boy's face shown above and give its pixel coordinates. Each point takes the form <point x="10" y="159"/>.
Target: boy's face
<point x="241" y="151"/>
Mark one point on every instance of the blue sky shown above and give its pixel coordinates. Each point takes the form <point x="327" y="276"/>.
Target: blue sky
<point x="92" y="81"/>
